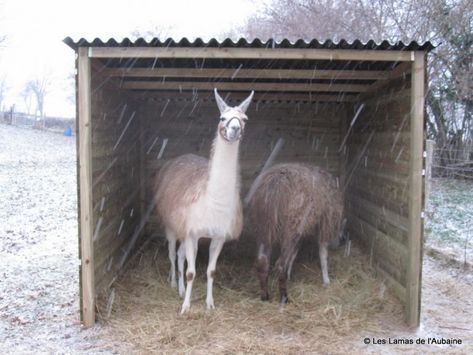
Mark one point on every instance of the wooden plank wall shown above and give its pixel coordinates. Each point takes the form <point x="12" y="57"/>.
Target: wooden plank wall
<point x="377" y="182"/>
<point x="115" y="191"/>
<point x="310" y="133"/>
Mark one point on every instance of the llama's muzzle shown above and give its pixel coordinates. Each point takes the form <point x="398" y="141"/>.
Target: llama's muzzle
<point x="233" y="130"/>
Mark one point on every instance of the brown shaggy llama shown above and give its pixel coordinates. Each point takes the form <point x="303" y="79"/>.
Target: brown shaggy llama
<point x="290" y="202"/>
<point x="200" y="198"/>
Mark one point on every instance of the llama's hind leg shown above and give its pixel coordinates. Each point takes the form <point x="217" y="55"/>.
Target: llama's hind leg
<point x="214" y="251"/>
<point x="323" y="253"/>
<point x="181" y="258"/>
<point x="291" y="262"/>
<point x="190" y="245"/>
<point x="172" y="257"/>
<point x="284" y="263"/>
<point x="262" y="268"/>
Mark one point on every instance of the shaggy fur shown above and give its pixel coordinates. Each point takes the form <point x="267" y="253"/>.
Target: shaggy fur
<point x="290" y="202"/>
<point x="175" y="193"/>
<point x="173" y="189"/>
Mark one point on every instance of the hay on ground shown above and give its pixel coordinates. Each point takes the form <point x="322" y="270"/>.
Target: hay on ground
<point x="145" y="311"/>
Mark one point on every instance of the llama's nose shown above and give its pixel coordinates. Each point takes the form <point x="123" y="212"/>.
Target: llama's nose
<point x="234" y="129"/>
<point x="233" y="133"/>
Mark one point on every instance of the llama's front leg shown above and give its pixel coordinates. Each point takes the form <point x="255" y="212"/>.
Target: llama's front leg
<point x="181" y="257"/>
<point x="191" y="252"/>
<point x="172" y="257"/>
<point x="214" y="251"/>
<point x="323" y="254"/>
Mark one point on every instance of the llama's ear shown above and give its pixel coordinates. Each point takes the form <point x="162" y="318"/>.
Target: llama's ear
<point x="222" y="106"/>
<point x="244" y="105"/>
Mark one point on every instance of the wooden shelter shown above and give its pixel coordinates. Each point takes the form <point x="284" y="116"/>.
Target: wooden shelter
<point x="356" y="109"/>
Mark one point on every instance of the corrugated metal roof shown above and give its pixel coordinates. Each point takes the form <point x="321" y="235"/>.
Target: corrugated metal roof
<point x="330" y="78"/>
<point x="256" y="43"/>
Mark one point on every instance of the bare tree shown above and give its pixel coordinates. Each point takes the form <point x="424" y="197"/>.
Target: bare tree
<point x="450" y="97"/>
<point x="27" y="96"/>
<point x="39" y="88"/>
<point x="444" y="22"/>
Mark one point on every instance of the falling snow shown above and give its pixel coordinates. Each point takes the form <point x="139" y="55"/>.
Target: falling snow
<point x="39" y="283"/>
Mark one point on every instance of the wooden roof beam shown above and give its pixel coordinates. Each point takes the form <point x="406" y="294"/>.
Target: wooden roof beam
<point x="251" y="53"/>
<point x="399" y="71"/>
<point x="262" y="87"/>
<point x="247" y="73"/>
<point x="236" y="96"/>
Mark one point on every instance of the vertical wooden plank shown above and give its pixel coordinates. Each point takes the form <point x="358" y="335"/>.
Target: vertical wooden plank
<point x="142" y="152"/>
<point x="415" y="191"/>
<point x="429" y="148"/>
<point x="342" y="155"/>
<point x="85" y="189"/>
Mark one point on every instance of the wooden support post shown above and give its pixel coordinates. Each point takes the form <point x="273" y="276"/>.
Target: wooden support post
<point x="414" y="269"/>
<point x="87" y="291"/>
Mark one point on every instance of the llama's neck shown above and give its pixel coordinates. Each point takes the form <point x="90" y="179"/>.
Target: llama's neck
<point x="224" y="169"/>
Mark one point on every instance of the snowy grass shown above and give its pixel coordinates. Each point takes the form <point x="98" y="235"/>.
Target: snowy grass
<point x="449" y="222"/>
<point x="39" y="278"/>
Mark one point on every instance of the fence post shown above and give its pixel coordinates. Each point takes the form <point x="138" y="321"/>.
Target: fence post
<point x="429" y="147"/>
<point x="12" y="111"/>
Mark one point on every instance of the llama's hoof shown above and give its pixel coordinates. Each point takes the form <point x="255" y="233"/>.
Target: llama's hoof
<point x="185" y="308"/>
<point x="210" y="304"/>
<point x="284" y="300"/>
<point x="326" y="284"/>
<point x="182" y="292"/>
<point x="173" y="284"/>
<point x="265" y="297"/>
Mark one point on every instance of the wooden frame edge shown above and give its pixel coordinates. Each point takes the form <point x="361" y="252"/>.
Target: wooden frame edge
<point x="415" y="237"/>
<point x="87" y="292"/>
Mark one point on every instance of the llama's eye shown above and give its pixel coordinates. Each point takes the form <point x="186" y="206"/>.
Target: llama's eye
<point x="222" y="119"/>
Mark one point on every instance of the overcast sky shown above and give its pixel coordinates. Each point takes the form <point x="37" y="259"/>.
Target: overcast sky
<point x="35" y="29"/>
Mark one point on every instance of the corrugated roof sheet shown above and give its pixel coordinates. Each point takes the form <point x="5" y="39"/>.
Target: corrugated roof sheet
<point x="256" y="43"/>
<point x="242" y="74"/>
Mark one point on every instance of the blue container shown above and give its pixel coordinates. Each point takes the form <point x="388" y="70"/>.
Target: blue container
<point x="68" y="131"/>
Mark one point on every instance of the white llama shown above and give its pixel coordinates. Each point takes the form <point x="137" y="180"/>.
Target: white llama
<point x="200" y="198"/>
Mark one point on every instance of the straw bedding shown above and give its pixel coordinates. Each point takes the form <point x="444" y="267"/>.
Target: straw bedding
<point x="318" y="319"/>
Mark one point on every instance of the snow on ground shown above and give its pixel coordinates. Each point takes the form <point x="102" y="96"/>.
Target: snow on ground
<point x="449" y="222"/>
<point x="39" y="286"/>
<point x="38" y="244"/>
